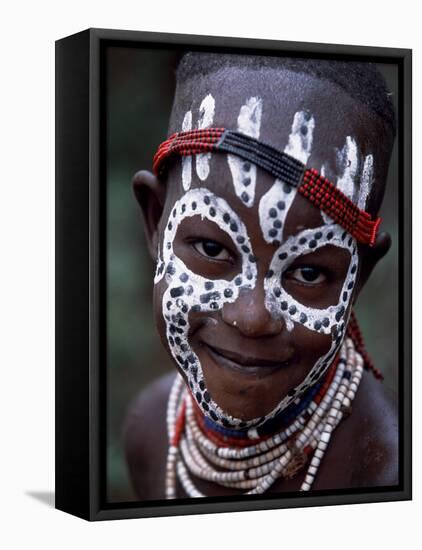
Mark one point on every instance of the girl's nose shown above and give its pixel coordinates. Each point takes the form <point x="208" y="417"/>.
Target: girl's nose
<point x="250" y="316"/>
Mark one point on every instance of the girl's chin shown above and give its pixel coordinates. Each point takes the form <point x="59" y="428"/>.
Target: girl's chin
<point x="248" y="399"/>
<point x="246" y="392"/>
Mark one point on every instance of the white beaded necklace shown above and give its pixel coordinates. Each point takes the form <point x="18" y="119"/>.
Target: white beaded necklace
<point x="255" y="468"/>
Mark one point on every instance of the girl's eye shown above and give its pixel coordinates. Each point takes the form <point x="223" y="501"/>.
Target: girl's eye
<point x="307" y="275"/>
<point x="212" y="249"/>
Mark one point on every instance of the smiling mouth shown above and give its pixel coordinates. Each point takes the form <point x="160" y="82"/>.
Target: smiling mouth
<point x="247" y="366"/>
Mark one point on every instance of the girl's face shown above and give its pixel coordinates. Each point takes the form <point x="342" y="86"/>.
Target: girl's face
<point x="250" y="319"/>
<point x="254" y="286"/>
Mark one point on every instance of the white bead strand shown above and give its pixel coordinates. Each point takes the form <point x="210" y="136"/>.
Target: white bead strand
<point x="255" y="468"/>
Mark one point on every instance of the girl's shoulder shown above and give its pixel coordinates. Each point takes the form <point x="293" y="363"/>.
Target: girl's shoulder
<point x="145" y="438"/>
<point x="374" y="434"/>
<point x="363" y="451"/>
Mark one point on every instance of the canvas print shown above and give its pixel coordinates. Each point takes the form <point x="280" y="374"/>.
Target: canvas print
<point x="252" y="274"/>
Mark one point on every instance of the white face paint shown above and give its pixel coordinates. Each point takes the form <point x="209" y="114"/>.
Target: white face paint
<point x="273" y="207"/>
<point x="273" y="210"/>
<point x="243" y="172"/>
<point x="206" y="112"/>
<point x="280" y="196"/>
<point x="283" y="306"/>
<point x="357" y="189"/>
<point x="202" y="162"/>
<point x="366" y="181"/>
<point x="187" y="161"/>
<point x="300" y="141"/>
<point x="348" y="162"/>
<point x="190" y="292"/>
<point x="325" y="216"/>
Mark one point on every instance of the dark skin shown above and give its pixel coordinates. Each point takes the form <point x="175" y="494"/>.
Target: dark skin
<point x="249" y="359"/>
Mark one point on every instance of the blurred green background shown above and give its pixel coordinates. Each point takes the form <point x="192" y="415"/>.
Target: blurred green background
<point x="139" y="91"/>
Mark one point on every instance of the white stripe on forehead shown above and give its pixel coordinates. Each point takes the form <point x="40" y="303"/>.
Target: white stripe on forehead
<point x="249" y="119"/>
<point x="187" y="161"/>
<point x="299" y="146"/>
<point x="275" y="204"/>
<point x="348" y="159"/>
<point x="273" y="208"/>
<point x="243" y="172"/>
<point x="300" y="141"/>
<point x="366" y="181"/>
<point x="357" y="189"/>
<point x="206" y="118"/>
<point x="325" y="217"/>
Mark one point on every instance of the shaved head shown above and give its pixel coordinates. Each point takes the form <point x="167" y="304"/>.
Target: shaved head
<point x="352" y="114"/>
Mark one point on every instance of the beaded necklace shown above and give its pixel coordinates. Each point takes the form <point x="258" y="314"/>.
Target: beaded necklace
<point x="255" y="467"/>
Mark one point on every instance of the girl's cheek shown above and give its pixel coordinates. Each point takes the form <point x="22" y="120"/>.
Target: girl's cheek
<point x="158" y="293"/>
<point x="310" y="345"/>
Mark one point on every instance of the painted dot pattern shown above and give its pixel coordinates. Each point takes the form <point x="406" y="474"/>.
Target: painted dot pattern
<point x="243" y="172"/>
<point x="277" y="298"/>
<point x="273" y="208"/>
<point x="188" y="291"/>
<point x="282" y="305"/>
<point x="199" y="294"/>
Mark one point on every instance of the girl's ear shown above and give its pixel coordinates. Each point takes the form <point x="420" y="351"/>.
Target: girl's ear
<point x="150" y="193"/>
<point x="370" y="256"/>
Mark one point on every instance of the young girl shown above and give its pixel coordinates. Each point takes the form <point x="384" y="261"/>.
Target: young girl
<point x="262" y="217"/>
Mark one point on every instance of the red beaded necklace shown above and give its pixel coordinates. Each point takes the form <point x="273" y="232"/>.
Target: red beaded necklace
<point x="221" y="440"/>
<point x="255" y="468"/>
<point x="225" y="441"/>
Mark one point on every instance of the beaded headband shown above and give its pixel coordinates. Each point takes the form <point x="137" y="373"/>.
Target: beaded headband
<point x="310" y="184"/>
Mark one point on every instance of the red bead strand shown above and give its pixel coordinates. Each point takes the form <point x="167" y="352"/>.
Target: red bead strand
<point x="317" y="189"/>
<point x="353" y="330"/>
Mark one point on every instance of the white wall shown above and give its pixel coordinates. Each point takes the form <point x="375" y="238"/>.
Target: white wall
<point x="27" y="272"/>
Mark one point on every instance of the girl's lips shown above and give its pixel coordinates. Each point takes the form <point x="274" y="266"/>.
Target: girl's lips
<point x="248" y="366"/>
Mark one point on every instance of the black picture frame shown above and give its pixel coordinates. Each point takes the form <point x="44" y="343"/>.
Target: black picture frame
<point x="80" y="274"/>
